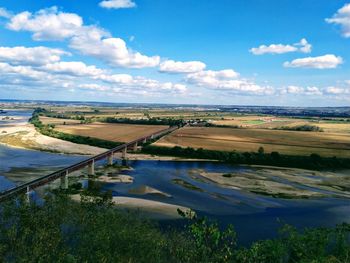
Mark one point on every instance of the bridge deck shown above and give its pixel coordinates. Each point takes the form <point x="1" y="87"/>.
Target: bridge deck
<point x="75" y="167"/>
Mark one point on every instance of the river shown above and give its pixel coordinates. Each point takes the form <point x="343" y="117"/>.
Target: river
<point x="253" y="216"/>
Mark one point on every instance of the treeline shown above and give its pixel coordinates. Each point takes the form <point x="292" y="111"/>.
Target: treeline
<point x="84" y="119"/>
<point x="150" y="121"/>
<point x="312" y="128"/>
<point x="61" y="230"/>
<point x="49" y="131"/>
<point x="313" y="161"/>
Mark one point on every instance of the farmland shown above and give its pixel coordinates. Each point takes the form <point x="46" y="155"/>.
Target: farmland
<point x="242" y="140"/>
<point x="276" y="122"/>
<point x="231" y="130"/>
<point x="57" y="121"/>
<point x="110" y="132"/>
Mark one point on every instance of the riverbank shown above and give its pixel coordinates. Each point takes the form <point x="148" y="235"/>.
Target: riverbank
<point x="25" y="136"/>
<point x="156" y="209"/>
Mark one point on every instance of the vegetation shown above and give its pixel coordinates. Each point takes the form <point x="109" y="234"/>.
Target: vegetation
<point x="311" y="128"/>
<point x="61" y="230"/>
<point x="149" y="121"/>
<point x="313" y="161"/>
<point x="49" y="131"/>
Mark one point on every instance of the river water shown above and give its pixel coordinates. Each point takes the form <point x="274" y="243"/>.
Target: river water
<point x="253" y="216"/>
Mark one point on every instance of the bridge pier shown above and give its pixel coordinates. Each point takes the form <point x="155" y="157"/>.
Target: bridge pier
<point x="152" y="137"/>
<point x="91" y="168"/>
<point x="144" y="141"/>
<point x="124" y="153"/>
<point x="64" y="181"/>
<point x="134" y="148"/>
<point x="110" y="159"/>
<point x="28" y="195"/>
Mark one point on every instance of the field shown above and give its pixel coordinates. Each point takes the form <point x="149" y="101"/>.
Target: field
<point x="255" y="129"/>
<point x="57" y="121"/>
<point x="274" y="122"/>
<point x="110" y="132"/>
<point x="286" y="142"/>
<point x="142" y="113"/>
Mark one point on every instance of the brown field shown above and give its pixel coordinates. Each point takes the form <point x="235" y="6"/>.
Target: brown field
<point x="57" y="121"/>
<point x="111" y="132"/>
<point x="271" y="122"/>
<point x="286" y="142"/>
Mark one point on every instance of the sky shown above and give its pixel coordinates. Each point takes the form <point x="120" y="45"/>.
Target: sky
<point x="241" y="52"/>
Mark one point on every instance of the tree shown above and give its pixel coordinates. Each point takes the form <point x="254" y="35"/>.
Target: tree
<point x="261" y="150"/>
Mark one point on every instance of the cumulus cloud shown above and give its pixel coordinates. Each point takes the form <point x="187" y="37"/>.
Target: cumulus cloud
<point x="171" y="66"/>
<point x="30" y="55"/>
<point x="298" y="90"/>
<point x="51" y="24"/>
<point x="77" y="75"/>
<point x="330" y="91"/>
<point x="117" y="4"/>
<point x="293" y="90"/>
<point x="342" y="18"/>
<point x="20" y="72"/>
<point x="5" y="13"/>
<point x="227" y="80"/>
<point x="301" y="46"/>
<point x="111" y="50"/>
<point x="47" y="24"/>
<point x="337" y="91"/>
<point x="74" y="68"/>
<point x="322" y="62"/>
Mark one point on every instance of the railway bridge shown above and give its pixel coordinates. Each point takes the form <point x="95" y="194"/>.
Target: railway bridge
<point x="64" y="173"/>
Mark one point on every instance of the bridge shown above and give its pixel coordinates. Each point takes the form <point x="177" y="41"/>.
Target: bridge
<point x="63" y="174"/>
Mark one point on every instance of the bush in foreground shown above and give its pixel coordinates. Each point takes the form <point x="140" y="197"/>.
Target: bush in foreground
<point x="61" y="230"/>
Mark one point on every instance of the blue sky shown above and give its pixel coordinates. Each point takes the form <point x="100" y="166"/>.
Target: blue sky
<point x="259" y="52"/>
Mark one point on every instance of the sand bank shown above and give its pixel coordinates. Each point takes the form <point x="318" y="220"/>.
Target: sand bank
<point x="24" y="135"/>
<point x="282" y="183"/>
<point x="147" y="190"/>
<point x="158" y="209"/>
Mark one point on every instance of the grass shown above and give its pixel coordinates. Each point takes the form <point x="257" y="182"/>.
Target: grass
<point x="243" y="140"/>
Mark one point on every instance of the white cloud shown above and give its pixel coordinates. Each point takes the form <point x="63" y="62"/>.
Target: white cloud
<point x="313" y="91"/>
<point x="117" y="4"/>
<point x="5" y="13"/>
<point x="75" y="68"/>
<point x="93" y="86"/>
<point x="77" y="75"/>
<point x="316" y="91"/>
<point x="150" y="85"/>
<point x="322" y="62"/>
<point x="293" y="90"/>
<point x="297" y="90"/>
<point x="302" y="46"/>
<point x="337" y="90"/>
<point x="111" y="50"/>
<point x="47" y="24"/>
<point x="342" y="18"/>
<point x="171" y="66"/>
<point x="227" y="80"/>
<point x="30" y="55"/>
<point x="25" y="72"/>
<point x="51" y="24"/>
